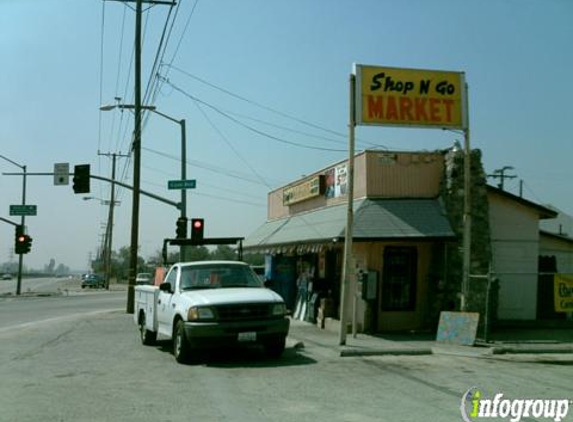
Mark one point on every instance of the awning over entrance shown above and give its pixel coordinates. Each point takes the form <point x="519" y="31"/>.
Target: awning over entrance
<point x="374" y="219"/>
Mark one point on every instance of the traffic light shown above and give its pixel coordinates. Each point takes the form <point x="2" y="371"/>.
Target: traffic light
<point x="197" y="226"/>
<point x="23" y="242"/>
<point x="181" y="231"/>
<point x="82" y="178"/>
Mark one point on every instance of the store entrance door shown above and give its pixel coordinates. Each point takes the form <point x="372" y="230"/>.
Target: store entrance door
<point x="397" y="301"/>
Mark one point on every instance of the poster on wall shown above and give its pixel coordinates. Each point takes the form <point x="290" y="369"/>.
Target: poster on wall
<point x="330" y="181"/>
<point x="322" y="264"/>
<point x="563" y="288"/>
<point x="341" y="181"/>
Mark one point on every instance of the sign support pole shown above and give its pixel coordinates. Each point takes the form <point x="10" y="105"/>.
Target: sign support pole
<point x="467" y="208"/>
<point x="347" y="269"/>
<point x="22" y="222"/>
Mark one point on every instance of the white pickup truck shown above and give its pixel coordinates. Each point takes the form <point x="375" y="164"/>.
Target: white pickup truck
<point x="211" y="303"/>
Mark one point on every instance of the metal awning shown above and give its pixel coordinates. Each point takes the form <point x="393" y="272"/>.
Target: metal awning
<point x="374" y="219"/>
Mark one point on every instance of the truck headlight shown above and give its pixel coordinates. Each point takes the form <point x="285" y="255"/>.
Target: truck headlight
<point x="200" y="313"/>
<point x="279" y="309"/>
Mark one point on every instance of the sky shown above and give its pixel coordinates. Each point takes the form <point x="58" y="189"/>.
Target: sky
<point x="263" y="88"/>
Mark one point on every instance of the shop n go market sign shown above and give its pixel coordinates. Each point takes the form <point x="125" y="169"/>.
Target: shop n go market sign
<point x="388" y="96"/>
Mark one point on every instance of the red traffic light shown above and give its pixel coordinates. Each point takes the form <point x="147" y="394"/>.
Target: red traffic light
<point x="197" y="226"/>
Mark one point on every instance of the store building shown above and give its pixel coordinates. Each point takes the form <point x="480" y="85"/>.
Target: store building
<point x="407" y="243"/>
<point x="400" y="229"/>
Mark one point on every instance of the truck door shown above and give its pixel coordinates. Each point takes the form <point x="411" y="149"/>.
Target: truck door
<point x="166" y="305"/>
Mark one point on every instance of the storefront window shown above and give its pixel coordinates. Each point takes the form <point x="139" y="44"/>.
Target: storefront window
<point x="399" y="279"/>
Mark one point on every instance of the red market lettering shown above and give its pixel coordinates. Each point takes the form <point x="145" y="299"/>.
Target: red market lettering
<point x="401" y="109"/>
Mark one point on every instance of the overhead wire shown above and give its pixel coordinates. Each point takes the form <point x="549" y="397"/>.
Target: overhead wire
<point x="248" y="127"/>
<point x="102" y="30"/>
<point x="209" y="167"/>
<point x="235" y="201"/>
<point x="210" y="185"/>
<point x="268" y="108"/>
<point x="231" y="146"/>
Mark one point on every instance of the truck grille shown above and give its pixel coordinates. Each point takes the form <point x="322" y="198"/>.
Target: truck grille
<point x="244" y="312"/>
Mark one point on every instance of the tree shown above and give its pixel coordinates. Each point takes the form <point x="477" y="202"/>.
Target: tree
<point x="224" y="253"/>
<point x="49" y="269"/>
<point x="254" y="259"/>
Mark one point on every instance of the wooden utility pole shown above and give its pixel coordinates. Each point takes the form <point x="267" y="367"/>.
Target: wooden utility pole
<point x="348" y="263"/>
<point x="109" y="228"/>
<point x="500" y="174"/>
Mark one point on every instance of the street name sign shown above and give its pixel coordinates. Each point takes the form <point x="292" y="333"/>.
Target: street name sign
<point x="21" y="210"/>
<point x="182" y="184"/>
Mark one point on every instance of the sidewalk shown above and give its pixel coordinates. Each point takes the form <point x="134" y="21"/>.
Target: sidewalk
<point x="304" y="334"/>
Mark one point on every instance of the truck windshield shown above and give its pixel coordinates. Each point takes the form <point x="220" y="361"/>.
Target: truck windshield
<point x="211" y="276"/>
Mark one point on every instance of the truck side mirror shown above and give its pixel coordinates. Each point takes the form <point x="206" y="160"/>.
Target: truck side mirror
<point x="165" y="287"/>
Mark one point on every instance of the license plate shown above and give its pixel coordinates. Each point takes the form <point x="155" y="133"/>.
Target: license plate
<point x="248" y="336"/>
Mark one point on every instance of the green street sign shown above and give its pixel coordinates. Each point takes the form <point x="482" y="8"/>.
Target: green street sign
<point x="23" y="210"/>
<point x="182" y="184"/>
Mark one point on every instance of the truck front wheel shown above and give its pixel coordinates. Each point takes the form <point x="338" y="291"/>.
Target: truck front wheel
<point x="275" y="348"/>
<point x="181" y="348"/>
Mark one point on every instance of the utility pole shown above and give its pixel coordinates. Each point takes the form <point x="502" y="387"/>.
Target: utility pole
<point x="348" y="269"/>
<point x="109" y="229"/>
<point x="22" y="223"/>
<point x="500" y="174"/>
<point x="136" y="148"/>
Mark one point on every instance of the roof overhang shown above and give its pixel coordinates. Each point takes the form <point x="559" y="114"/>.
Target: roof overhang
<point x="374" y="220"/>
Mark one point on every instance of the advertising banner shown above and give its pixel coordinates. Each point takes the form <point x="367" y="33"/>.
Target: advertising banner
<point x="563" y="287"/>
<point x="387" y="96"/>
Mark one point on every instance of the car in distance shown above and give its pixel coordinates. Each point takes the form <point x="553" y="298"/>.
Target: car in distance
<point x="93" y="281"/>
<point x="144" y="278"/>
<point x="6" y="276"/>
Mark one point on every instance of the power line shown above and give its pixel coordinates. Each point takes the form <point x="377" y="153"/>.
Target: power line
<point x="230" y="145"/>
<point x="248" y="127"/>
<point x="239" y="97"/>
<point x="267" y="108"/>
<point x="209" y="167"/>
<point x="209" y="185"/>
<point x="237" y="201"/>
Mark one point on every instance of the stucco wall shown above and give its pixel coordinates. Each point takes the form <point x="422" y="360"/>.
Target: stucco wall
<point x="561" y="249"/>
<point x="515" y="250"/>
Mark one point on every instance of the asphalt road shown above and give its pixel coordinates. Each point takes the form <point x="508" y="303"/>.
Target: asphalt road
<point x="20" y="312"/>
<point x="92" y="367"/>
<point x="39" y="285"/>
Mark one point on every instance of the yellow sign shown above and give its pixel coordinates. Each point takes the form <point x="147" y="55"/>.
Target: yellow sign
<point x="303" y="191"/>
<point x="389" y="96"/>
<point x="563" y="285"/>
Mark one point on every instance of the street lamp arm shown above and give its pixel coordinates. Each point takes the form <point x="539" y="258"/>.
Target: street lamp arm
<point x="13" y="162"/>
<point x="109" y="107"/>
<point x="165" y="115"/>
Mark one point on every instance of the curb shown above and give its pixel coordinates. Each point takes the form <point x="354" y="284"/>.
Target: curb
<point x="386" y="352"/>
<point x="503" y="350"/>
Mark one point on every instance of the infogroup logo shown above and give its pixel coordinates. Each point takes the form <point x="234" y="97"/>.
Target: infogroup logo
<point x="475" y="406"/>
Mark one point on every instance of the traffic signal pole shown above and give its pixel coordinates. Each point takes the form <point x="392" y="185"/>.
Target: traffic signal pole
<point x="22" y="222"/>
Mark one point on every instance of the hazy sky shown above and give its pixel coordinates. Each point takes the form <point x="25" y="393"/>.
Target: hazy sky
<point x="61" y="59"/>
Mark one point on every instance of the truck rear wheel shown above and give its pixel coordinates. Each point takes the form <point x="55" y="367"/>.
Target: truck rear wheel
<point x="147" y="337"/>
<point x="181" y="347"/>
